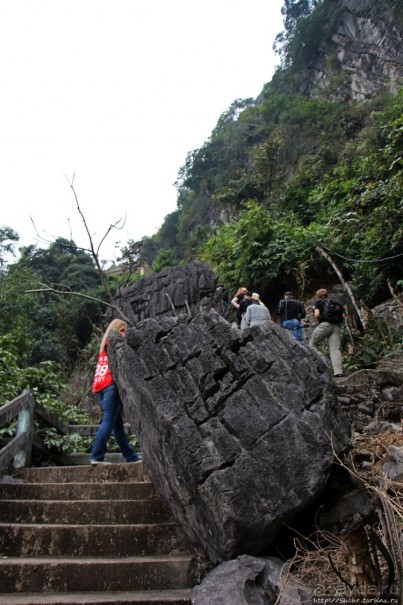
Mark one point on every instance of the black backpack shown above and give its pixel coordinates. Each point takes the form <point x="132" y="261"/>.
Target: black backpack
<point x="332" y="311"/>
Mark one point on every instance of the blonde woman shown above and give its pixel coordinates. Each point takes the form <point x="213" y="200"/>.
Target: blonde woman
<point x="236" y="303"/>
<point x="108" y="398"/>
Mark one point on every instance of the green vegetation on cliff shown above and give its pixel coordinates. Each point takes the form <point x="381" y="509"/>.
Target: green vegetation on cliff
<point x="286" y="172"/>
<point x="281" y="180"/>
<point x="351" y="207"/>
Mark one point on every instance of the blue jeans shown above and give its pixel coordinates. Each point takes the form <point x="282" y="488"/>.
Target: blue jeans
<point x="112" y="422"/>
<point x="295" y="326"/>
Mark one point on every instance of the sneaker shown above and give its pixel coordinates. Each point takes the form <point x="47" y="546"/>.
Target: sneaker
<point x="99" y="462"/>
<point x="135" y="459"/>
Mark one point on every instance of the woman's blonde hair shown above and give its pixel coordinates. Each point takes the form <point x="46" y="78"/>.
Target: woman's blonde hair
<point x="116" y="324"/>
<point x="241" y="290"/>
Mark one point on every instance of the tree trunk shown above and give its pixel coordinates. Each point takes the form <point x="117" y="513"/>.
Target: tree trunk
<point x="359" y="562"/>
<point x="344" y="284"/>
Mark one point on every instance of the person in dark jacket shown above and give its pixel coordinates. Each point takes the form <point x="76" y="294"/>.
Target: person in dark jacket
<point x="224" y="299"/>
<point x="236" y="303"/>
<point x="291" y="312"/>
<point x="244" y="304"/>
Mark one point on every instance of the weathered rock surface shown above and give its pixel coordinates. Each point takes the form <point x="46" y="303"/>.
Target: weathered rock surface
<point x="364" y="55"/>
<point x="393" y="468"/>
<point x="391" y="311"/>
<point x="173" y="290"/>
<point x="235" y="427"/>
<point x="251" y="581"/>
<point x="350" y="510"/>
<point x="373" y="393"/>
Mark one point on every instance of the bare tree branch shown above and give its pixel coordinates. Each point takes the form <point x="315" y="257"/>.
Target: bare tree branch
<point x="171" y="303"/>
<point x="87" y="296"/>
<point x="344" y="283"/>
<point x="95" y="253"/>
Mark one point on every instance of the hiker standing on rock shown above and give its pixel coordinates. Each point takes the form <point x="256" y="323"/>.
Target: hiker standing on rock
<point x="257" y="312"/>
<point x="244" y="304"/>
<point x="108" y="398"/>
<point x="291" y="312"/>
<point x="236" y="303"/>
<point x="329" y="315"/>
<point x="224" y="299"/>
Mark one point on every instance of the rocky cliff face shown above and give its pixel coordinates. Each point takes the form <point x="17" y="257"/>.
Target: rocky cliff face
<point x="171" y="292"/>
<point x="365" y="54"/>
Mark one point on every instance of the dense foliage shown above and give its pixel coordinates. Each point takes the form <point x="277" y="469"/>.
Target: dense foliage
<point x="46" y="379"/>
<point x="286" y="172"/>
<point x="279" y="176"/>
<point x="44" y="335"/>
<point x="46" y="326"/>
<point x="350" y="208"/>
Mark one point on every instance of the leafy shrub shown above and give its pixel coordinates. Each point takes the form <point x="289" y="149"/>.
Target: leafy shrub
<point x="46" y="380"/>
<point x="380" y="340"/>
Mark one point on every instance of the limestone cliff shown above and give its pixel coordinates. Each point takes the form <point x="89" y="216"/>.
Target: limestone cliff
<point x="363" y="54"/>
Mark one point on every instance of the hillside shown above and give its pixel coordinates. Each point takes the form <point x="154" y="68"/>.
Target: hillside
<point x="315" y="159"/>
<point x="301" y="182"/>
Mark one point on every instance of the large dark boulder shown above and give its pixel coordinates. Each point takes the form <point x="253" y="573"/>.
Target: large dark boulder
<point x="238" y="429"/>
<point x="251" y="581"/>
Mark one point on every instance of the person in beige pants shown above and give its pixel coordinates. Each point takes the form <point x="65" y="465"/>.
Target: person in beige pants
<point x="329" y="327"/>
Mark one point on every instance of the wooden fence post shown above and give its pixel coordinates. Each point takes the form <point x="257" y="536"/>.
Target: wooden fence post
<point x="26" y="425"/>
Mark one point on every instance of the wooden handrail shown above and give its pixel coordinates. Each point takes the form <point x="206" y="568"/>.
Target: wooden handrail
<point x="19" y="448"/>
<point x="25" y="408"/>
<point x="11" y="409"/>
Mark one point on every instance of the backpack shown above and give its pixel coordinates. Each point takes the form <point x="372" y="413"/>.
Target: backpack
<point x="332" y="311"/>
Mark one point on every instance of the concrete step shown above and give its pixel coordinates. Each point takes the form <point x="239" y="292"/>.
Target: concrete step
<point x="150" y="597"/>
<point x="85" y="512"/>
<point x="30" y="540"/>
<point x="91" y="535"/>
<point x="84" y="574"/>
<point x="108" y="473"/>
<point x="84" y="458"/>
<point x="92" y="429"/>
<point x="77" y="491"/>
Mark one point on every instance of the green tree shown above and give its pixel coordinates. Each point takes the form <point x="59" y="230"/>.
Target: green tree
<point x="8" y="241"/>
<point x="351" y="210"/>
<point x="47" y="325"/>
<point x="294" y="11"/>
<point x="166" y="258"/>
<point x="259" y="249"/>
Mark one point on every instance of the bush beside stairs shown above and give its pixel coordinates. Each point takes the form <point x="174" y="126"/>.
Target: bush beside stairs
<point x="91" y="534"/>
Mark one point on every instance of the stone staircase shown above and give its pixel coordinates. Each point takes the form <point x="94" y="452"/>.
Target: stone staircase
<point x="93" y="535"/>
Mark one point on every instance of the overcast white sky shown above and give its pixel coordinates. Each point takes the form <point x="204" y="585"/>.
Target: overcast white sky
<point x="117" y="92"/>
